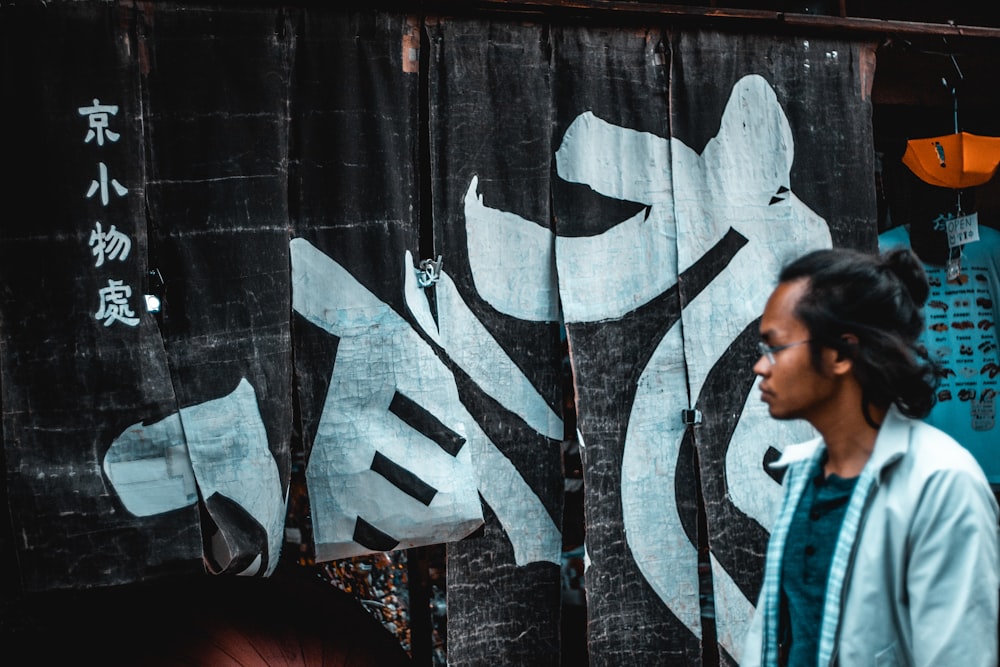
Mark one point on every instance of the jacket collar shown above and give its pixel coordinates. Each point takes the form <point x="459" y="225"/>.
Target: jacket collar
<point x="799" y="451"/>
<point x="892" y="442"/>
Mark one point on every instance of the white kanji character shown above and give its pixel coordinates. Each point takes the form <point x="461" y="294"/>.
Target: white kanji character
<point x="112" y="244"/>
<point x="98" y="116"/>
<point x="101" y="183"/>
<point x="114" y="304"/>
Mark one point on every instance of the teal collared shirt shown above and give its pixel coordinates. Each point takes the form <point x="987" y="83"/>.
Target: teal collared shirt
<point x="805" y="568"/>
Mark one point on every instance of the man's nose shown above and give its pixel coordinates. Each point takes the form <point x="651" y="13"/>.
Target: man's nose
<point x="762" y="367"/>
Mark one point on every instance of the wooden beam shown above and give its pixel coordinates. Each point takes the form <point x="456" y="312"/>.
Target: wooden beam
<point x="608" y="10"/>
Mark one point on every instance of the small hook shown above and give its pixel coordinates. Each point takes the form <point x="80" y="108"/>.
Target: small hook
<point x="953" y="87"/>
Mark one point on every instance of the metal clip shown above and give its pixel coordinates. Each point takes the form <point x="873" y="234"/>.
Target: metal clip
<point x="429" y="272"/>
<point x="691" y="417"/>
<point x="156" y="291"/>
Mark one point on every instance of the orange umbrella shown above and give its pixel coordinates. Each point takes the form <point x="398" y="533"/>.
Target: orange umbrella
<point x="957" y="161"/>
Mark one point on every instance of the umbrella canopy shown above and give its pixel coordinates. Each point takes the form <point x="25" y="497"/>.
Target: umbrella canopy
<point x="959" y="160"/>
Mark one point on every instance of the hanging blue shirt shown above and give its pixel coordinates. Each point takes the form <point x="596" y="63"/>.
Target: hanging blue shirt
<point x="961" y="317"/>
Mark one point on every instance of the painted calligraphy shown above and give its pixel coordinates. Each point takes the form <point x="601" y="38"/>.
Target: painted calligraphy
<point x="114" y="244"/>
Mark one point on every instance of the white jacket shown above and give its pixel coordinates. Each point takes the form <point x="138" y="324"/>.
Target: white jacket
<point x="921" y="586"/>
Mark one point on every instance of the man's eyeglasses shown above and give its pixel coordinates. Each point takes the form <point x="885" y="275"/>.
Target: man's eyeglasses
<point x="770" y="350"/>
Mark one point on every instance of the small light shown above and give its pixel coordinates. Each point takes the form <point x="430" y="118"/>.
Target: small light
<point x="152" y="303"/>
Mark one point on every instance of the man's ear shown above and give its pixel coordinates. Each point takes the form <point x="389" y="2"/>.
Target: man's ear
<point x="843" y="361"/>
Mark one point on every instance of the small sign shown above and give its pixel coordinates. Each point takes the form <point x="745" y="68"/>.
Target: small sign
<point x="963" y="229"/>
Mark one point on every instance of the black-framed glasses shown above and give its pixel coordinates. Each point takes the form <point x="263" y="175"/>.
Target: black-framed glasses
<point x="770" y="350"/>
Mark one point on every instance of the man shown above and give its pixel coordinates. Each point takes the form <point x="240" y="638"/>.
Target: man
<point x="885" y="551"/>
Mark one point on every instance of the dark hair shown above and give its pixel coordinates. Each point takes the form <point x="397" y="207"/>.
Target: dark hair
<point x="878" y="299"/>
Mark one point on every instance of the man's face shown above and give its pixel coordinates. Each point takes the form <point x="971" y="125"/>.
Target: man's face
<point x="791" y="386"/>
